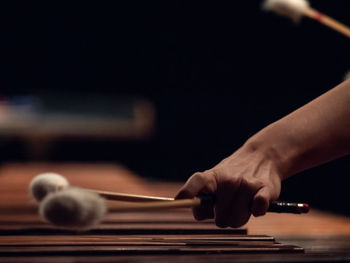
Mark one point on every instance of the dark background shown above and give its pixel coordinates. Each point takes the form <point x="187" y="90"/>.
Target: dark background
<point x="216" y="71"/>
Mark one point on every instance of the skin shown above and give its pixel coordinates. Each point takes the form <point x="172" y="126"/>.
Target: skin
<point x="245" y="182"/>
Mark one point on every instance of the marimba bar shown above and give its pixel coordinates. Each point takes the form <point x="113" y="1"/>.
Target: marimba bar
<point x="162" y="236"/>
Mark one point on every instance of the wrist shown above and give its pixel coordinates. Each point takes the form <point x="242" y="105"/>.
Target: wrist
<point x="276" y="148"/>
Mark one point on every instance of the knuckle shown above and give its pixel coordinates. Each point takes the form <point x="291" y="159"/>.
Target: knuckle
<point x="211" y="182"/>
<point x="217" y="172"/>
<point x="248" y="184"/>
<point x="258" y="182"/>
<point x="200" y="177"/>
<point x="244" y="182"/>
<point x="206" y="180"/>
<point x="184" y="193"/>
<point x="230" y="183"/>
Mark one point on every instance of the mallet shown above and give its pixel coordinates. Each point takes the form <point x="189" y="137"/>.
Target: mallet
<point x="45" y="182"/>
<point x="81" y="209"/>
<point x="275" y="206"/>
<point x="73" y="208"/>
<point x="295" y="9"/>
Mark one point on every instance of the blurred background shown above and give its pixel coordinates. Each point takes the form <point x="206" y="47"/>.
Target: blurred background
<point x="165" y="88"/>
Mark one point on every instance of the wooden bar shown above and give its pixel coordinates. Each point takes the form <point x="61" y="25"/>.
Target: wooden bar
<point x="157" y="236"/>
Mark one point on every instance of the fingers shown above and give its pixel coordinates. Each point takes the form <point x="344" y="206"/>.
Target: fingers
<point x="203" y="212"/>
<point x="261" y="201"/>
<point x="224" y="200"/>
<point x="237" y="197"/>
<point x="199" y="183"/>
<point x="240" y="208"/>
<point x="234" y="199"/>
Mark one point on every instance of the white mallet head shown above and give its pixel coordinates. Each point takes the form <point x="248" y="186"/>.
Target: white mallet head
<point x="73" y="208"/>
<point x="293" y="9"/>
<point x="45" y="183"/>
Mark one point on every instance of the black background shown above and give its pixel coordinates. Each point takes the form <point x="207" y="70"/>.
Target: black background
<point x="216" y="71"/>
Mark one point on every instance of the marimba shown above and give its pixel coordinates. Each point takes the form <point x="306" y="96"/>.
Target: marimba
<point x="167" y="235"/>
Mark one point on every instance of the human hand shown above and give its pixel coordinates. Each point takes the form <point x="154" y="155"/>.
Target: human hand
<point x="243" y="184"/>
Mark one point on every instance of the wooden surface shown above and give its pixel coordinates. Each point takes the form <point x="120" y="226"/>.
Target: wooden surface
<point x="166" y="236"/>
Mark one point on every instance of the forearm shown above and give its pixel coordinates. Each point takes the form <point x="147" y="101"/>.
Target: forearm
<point x="315" y="133"/>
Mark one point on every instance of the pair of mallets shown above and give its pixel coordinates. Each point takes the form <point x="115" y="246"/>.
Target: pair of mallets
<point x="79" y="208"/>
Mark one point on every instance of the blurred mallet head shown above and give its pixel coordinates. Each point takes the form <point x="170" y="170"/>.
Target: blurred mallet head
<point x="45" y="183"/>
<point x="293" y="9"/>
<point x="73" y="208"/>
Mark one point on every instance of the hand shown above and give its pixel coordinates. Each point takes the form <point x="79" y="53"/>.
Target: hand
<point x="244" y="184"/>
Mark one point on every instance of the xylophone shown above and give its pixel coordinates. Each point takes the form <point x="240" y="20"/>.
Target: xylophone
<point x="166" y="235"/>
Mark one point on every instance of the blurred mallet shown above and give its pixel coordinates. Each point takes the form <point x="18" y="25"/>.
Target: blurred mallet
<point x="78" y="208"/>
<point x="295" y="9"/>
<point x="45" y="183"/>
<point x="144" y="202"/>
<point x="82" y="209"/>
<point x="73" y="208"/>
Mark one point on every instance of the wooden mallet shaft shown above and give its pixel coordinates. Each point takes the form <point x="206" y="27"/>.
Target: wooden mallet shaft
<point x="135" y="203"/>
<point x="155" y="205"/>
<point x="328" y="21"/>
<point x="129" y="197"/>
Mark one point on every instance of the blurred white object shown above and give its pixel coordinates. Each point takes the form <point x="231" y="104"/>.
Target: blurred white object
<point x="73" y="208"/>
<point x="293" y="9"/>
<point x="46" y="183"/>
